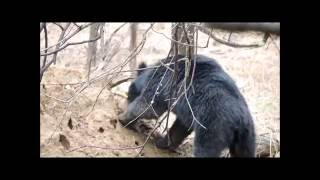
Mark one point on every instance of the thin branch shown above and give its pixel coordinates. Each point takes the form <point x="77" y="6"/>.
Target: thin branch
<point x="69" y="44"/>
<point x="75" y="43"/>
<point x="113" y="33"/>
<point x="76" y="25"/>
<point x="63" y="84"/>
<point x="94" y="104"/>
<point x="112" y="85"/>
<point x="206" y="31"/>
<point x="109" y="87"/>
<point x="187" y="71"/>
<point x="60" y="122"/>
<point x="173" y="79"/>
<point x="46" y="45"/>
<point x="151" y="133"/>
<point x="54" y="58"/>
<point x="130" y="122"/>
<point x="61" y="100"/>
<point x="59" y="25"/>
<point x="91" y="81"/>
<point x="228" y="37"/>
<point x="62" y="41"/>
<point x="184" y="44"/>
<point x="105" y="148"/>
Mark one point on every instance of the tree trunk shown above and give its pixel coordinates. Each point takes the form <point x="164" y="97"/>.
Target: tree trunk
<point x="92" y="47"/>
<point x="133" y="45"/>
<point x="183" y="36"/>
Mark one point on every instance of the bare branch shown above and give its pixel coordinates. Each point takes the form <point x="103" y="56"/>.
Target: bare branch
<point x="67" y="38"/>
<point x="112" y="85"/>
<point x="75" y="43"/>
<point x="59" y="25"/>
<point x="61" y="100"/>
<point x="46" y="45"/>
<point x="150" y="134"/>
<point x="54" y="56"/>
<point x="178" y="42"/>
<point x="69" y="44"/>
<point x="265" y="27"/>
<point x="206" y="31"/>
<point x="54" y="59"/>
<point x="113" y="33"/>
<point x="105" y="148"/>
<point x="62" y="41"/>
<point x="76" y="25"/>
<point x="109" y="86"/>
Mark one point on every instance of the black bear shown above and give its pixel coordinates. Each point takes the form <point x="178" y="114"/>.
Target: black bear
<point x="223" y="117"/>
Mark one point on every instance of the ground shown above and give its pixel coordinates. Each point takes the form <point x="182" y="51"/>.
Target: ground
<point x="80" y="130"/>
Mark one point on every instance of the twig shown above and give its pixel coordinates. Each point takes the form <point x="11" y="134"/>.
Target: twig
<point x="106" y="148"/>
<point x="60" y="122"/>
<point x="56" y="98"/>
<point x="184" y="44"/>
<point x="151" y="133"/>
<point x="228" y="37"/>
<point x="54" y="58"/>
<point x="120" y="94"/>
<point x="93" y="80"/>
<point x="63" y="84"/>
<point x="59" y="25"/>
<point x="110" y="86"/>
<point x="229" y="43"/>
<point x="173" y="79"/>
<point x="69" y="44"/>
<point x="112" y="34"/>
<point x="187" y="69"/>
<point x="57" y="47"/>
<point x="136" y="51"/>
<point x="76" y="25"/>
<point x="62" y="41"/>
<point x="94" y="104"/>
<point x="46" y="45"/>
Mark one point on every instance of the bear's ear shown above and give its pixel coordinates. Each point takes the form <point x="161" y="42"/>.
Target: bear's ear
<point x="141" y="65"/>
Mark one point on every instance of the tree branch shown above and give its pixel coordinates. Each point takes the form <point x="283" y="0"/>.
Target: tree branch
<point x="264" y="27"/>
<point x="206" y="31"/>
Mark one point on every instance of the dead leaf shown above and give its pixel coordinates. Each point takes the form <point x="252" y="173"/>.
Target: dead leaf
<point x="64" y="141"/>
<point x="101" y="130"/>
<point x="114" y="123"/>
<point x="70" y="124"/>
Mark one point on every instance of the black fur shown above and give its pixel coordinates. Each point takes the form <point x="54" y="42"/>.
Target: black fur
<point x="215" y="100"/>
